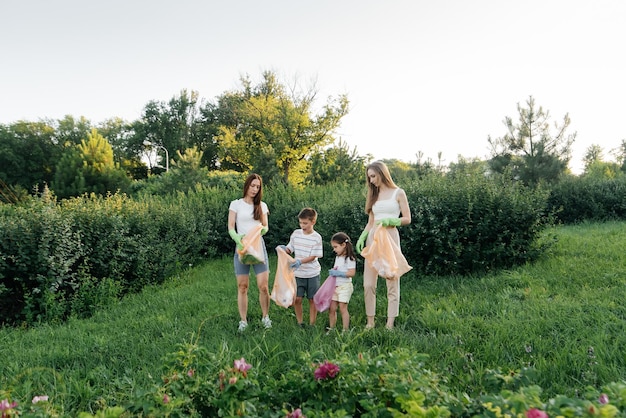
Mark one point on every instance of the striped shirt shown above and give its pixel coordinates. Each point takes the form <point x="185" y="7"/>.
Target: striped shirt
<point x="304" y="245"/>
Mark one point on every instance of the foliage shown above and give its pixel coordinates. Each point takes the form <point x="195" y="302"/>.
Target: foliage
<point x="588" y="198"/>
<point x="69" y="258"/>
<point x="112" y="245"/>
<point x="529" y="152"/>
<point x="336" y="164"/>
<point x="89" y="168"/>
<point x="485" y="334"/>
<point x="466" y="225"/>
<point x="195" y="383"/>
<point x="271" y="129"/>
<point x="28" y="154"/>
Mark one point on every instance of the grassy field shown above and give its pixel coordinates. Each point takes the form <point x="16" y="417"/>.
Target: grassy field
<point x="564" y="316"/>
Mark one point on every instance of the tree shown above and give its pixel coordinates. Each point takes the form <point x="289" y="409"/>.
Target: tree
<point x="596" y="167"/>
<point x="337" y="164"/>
<point x="528" y="151"/>
<point x="28" y="154"/>
<point x="89" y="168"/>
<point x="176" y="125"/>
<point x="620" y="155"/>
<point x="274" y="128"/>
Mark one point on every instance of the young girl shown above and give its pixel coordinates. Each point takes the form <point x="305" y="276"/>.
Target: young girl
<point x="344" y="269"/>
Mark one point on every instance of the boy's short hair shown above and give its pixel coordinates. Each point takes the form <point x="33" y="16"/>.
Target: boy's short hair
<point x="308" y="213"/>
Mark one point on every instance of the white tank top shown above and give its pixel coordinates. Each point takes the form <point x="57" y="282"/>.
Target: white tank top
<point x="388" y="208"/>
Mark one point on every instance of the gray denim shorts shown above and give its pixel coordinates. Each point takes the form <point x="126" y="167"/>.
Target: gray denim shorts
<point x="241" y="268"/>
<point x="308" y="286"/>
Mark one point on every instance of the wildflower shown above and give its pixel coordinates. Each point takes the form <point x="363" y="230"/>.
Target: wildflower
<point x="191" y="372"/>
<point x="242" y="366"/>
<point x="232" y="380"/>
<point x="166" y="399"/>
<point x="326" y="370"/>
<point x="295" y="414"/>
<point x="603" y="399"/>
<point x="5" y="407"/>
<point x="536" y="413"/>
<point x="42" y="398"/>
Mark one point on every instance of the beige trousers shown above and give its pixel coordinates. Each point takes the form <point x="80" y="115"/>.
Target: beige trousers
<point x="370" y="280"/>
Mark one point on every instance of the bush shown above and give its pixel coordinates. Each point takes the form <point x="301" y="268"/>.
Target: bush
<point x="469" y="225"/>
<point x="96" y="247"/>
<point x="196" y="383"/>
<point x="578" y="199"/>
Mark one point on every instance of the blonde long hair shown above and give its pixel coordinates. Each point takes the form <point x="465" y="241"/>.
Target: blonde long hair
<point x="382" y="171"/>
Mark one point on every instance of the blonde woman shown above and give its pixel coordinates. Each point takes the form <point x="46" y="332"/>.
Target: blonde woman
<point x="386" y="205"/>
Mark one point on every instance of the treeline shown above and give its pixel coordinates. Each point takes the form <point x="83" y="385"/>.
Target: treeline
<point x="276" y="130"/>
<point x="279" y="132"/>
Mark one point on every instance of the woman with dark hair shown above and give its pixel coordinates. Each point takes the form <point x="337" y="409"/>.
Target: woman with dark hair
<point x="244" y="215"/>
<point x="384" y="204"/>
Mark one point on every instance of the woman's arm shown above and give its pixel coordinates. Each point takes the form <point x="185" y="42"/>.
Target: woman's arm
<point x="232" y="218"/>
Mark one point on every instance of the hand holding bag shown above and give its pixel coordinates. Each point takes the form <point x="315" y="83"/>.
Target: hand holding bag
<point x="384" y="255"/>
<point x="324" y="295"/>
<point x="252" y="251"/>
<point x="284" y="289"/>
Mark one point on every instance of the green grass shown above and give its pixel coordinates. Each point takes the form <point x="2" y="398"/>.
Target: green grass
<point x="564" y="316"/>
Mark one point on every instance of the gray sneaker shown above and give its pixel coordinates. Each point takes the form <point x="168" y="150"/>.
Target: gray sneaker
<point x="242" y="326"/>
<point x="267" y="322"/>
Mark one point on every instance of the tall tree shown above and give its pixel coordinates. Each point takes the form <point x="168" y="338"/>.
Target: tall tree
<point x="28" y="154"/>
<point x="89" y="168"/>
<point x="176" y="125"/>
<point x="337" y="164"/>
<point x="271" y="124"/>
<point x="529" y="151"/>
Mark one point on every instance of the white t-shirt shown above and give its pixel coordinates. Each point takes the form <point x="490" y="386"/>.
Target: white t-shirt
<point x="305" y="245"/>
<point x="344" y="264"/>
<point x="245" y="221"/>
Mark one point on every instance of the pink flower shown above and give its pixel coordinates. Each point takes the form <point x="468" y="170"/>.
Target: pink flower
<point x="536" y="413"/>
<point x="242" y="366"/>
<point x="326" y="370"/>
<point x="6" y="407"/>
<point x="295" y="414"/>
<point x="603" y="399"/>
<point x="42" y="398"/>
<point x="166" y="399"/>
<point x="190" y="373"/>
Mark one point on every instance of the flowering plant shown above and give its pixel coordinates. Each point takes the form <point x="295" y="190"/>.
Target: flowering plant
<point x="196" y="384"/>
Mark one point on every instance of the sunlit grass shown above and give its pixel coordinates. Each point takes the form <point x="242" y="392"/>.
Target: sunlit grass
<point x="564" y="316"/>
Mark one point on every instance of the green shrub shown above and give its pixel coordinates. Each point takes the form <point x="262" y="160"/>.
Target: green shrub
<point x="50" y="250"/>
<point x="472" y="224"/>
<point x="196" y="383"/>
<point x="578" y="199"/>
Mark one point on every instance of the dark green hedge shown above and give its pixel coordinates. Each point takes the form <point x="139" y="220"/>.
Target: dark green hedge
<point x="67" y="258"/>
<point x="578" y="199"/>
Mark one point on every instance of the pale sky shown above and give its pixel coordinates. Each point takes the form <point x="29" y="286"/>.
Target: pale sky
<point x="429" y="76"/>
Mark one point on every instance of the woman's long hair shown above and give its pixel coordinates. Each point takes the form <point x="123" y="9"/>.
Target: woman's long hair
<point x="258" y="212"/>
<point x="382" y="171"/>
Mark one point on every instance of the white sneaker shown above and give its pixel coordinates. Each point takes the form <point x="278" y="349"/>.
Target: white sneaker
<point x="242" y="326"/>
<point x="267" y="322"/>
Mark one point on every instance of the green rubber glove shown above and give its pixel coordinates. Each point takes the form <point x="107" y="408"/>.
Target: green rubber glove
<point x="361" y="242"/>
<point x="237" y="238"/>
<point x="264" y="230"/>
<point x="390" y="222"/>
